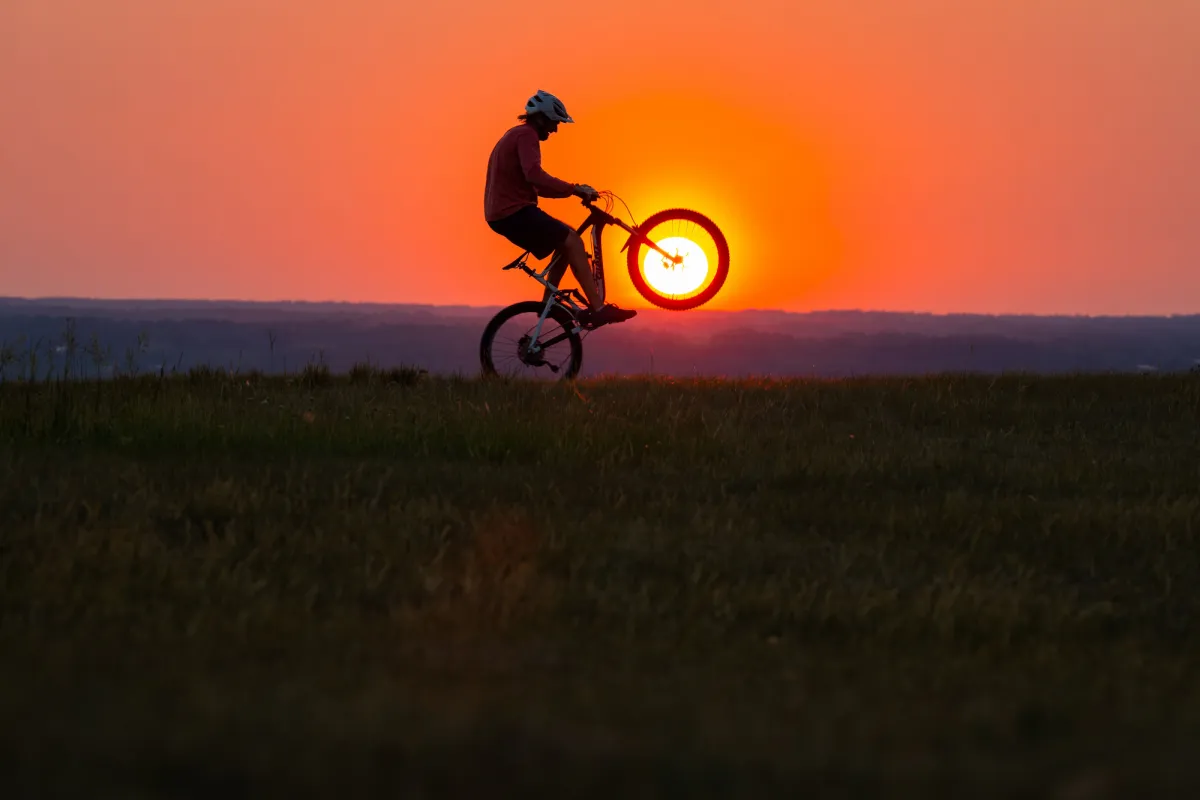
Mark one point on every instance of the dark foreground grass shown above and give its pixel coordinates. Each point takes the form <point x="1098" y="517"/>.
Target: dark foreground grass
<point x="954" y="586"/>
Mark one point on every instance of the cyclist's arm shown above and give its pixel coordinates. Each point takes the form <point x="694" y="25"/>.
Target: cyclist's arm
<point x="546" y="184"/>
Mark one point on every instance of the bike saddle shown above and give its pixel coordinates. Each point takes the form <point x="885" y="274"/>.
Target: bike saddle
<point x="516" y="262"/>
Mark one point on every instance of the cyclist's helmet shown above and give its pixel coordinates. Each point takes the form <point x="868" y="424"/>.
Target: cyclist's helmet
<point x="549" y="105"/>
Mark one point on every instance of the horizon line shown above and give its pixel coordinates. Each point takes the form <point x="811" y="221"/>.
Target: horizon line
<point x="370" y="303"/>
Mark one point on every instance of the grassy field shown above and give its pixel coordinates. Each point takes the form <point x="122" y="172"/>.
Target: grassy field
<point x="948" y="586"/>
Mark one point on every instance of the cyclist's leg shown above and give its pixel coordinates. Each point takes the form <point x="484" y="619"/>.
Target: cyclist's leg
<point x="554" y="276"/>
<point x="541" y="234"/>
<point x="574" y="254"/>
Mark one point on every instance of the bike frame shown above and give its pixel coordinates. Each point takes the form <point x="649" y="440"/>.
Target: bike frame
<point x="571" y="299"/>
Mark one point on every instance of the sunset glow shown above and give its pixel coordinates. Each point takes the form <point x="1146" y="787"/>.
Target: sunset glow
<point x="904" y="155"/>
<point x="669" y="278"/>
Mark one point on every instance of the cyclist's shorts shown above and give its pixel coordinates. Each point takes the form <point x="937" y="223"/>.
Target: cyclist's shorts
<point x="532" y="229"/>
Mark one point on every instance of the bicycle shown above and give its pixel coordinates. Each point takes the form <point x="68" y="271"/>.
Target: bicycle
<point x="678" y="281"/>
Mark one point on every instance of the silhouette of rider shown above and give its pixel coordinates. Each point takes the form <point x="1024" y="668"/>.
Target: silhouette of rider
<point x="515" y="180"/>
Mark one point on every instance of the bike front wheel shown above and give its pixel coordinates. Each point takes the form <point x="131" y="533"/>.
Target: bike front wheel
<point x="509" y="348"/>
<point x="699" y="263"/>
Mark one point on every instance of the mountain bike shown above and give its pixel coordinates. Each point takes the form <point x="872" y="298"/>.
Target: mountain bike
<point x="678" y="260"/>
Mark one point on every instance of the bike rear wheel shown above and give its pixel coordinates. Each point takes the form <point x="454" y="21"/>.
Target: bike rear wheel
<point x="693" y="281"/>
<point x="507" y="342"/>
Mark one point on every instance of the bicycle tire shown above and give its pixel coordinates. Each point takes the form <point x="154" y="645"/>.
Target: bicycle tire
<point x="558" y="314"/>
<point x="719" y="275"/>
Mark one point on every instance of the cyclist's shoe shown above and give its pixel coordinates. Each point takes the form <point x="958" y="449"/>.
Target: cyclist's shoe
<point x="607" y="315"/>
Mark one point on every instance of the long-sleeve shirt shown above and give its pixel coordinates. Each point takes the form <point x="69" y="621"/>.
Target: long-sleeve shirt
<point x="515" y="177"/>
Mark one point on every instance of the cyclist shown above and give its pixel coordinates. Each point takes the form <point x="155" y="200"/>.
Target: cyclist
<point x="515" y="180"/>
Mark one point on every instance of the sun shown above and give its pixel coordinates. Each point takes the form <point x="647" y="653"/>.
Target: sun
<point x="669" y="278"/>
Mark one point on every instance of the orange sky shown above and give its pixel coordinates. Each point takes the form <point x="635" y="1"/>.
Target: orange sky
<point x="937" y="155"/>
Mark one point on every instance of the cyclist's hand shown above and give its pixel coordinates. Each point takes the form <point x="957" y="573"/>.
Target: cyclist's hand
<point x="586" y="192"/>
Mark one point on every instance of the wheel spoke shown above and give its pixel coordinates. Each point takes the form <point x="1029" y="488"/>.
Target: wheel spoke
<point x="689" y="283"/>
<point x="511" y="340"/>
